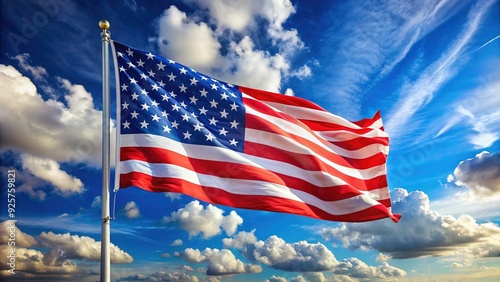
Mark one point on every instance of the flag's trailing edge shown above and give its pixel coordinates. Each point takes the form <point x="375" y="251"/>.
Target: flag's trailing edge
<point x="185" y="132"/>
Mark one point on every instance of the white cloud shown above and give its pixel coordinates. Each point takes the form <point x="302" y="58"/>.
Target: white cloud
<point x="191" y="43"/>
<point x="172" y="196"/>
<point x="275" y="278"/>
<point x="176" y="242"/>
<point x="38" y="72"/>
<point x="96" y="203"/>
<point x="50" y="171"/>
<point x="21" y="239"/>
<point x="131" y="210"/>
<point x="49" y="128"/>
<point x="208" y="222"/>
<point x="161" y="276"/>
<point x="354" y="267"/>
<point x="382" y="257"/>
<point x="67" y="246"/>
<point x="420" y="232"/>
<point x="480" y="174"/>
<point x="220" y="262"/>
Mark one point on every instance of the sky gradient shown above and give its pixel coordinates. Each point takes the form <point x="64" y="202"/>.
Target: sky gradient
<point x="430" y="67"/>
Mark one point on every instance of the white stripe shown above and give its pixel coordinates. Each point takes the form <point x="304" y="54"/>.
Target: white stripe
<point x="308" y="114"/>
<point x="249" y="187"/>
<point x="226" y="155"/>
<point x="299" y="131"/>
<point x="344" y="135"/>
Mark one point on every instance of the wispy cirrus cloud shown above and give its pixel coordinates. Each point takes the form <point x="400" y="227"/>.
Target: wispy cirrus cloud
<point x="417" y="93"/>
<point x="373" y="38"/>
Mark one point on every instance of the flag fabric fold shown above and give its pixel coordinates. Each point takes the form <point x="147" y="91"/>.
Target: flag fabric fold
<point x="182" y="131"/>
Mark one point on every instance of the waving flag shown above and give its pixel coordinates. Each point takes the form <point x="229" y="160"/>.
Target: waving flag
<point x="185" y="132"/>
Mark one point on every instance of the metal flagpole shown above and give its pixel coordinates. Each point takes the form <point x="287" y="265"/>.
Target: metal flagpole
<point x="105" y="224"/>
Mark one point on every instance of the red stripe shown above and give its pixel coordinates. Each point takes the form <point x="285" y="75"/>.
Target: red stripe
<point x="262" y="95"/>
<point x="267" y="203"/>
<point x="361" y="142"/>
<point x="239" y="171"/>
<point x="367" y="122"/>
<point x="306" y="161"/>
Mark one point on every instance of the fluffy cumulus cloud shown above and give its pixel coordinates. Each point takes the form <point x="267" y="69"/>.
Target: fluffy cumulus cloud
<point x="480" y="174"/>
<point x="208" y="222"/>
<point x="276" y="253"/>
<point x="161" y="276"/>
<point x="131" y="210"/>
<point x="50" y="171"/>
<point x="176" y="242"/>
<point x="49" y="129"/>
<point x="354" y="267"/>
<point x="54" y="260"/>
<point x="67" y="246"/>
<point x="220" y="262"/>
<point x="421" y="232"/>
<point x="198" y="44"/>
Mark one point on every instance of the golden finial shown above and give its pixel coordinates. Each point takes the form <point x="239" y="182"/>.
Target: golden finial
<point x="104" y="24"/>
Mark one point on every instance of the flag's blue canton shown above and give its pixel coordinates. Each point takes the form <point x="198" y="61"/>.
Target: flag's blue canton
<point x="162" y="97"/>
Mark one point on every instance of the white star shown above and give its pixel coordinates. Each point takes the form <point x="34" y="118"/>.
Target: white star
<point x="185" y="117"/>
<point x="144" y="124"/>
<point x="224" y="96"/>
<point x="171" y="77"/>
<point x="171" y="61"/>
<point x="183" y="88"/>
<point x="134" y="96"/>
<point x="172" y="94"/>
<point x="210" y="137"/>
<point x="214" y="87"/>
<point x="161" y="83"/>
<point x="126" y="124"/>
<point x="143" y="91"/>
<point x="124" y="87"/>
<point x="193" y="100"/>
<point x="122" y="69"/>
<point x="175" y="124"/>
<point x="198" y="127"/>
<point x="150" y="56"/>
<point x="203" y="78"/>
<point x="183" y="104"/>
<point x="130" y="65"/>
<point x="234" y="124"/>
<point x="234" y="106"/>
<point x="145" y="106"/>
<point x="233" y="142"/>
<point x="193" y="81"/>
<point x="119" y="54"/>
<point x="213" y="104"/>
<point x="144" y="76"/>
<point x="134" y="114"/>
<point x="223" y="131"/>
<point x="187" y="135"/>
<point x="224" y="87"/>
<point x="232" y="94"/>
<point x="129" y="52"/>
<point x="166" y="128"/>
<point x="175" y="107"/>
<point x="223" y="114"/>
<point x="164" y="114"/>
<point x="213" y="121"/>
<point x="132" y="80"/>
<point x="203" y="92"/>
<point x="155" y="117"/>
<point x="161" y="66"/>
<point x="151" y="73"/>
<point x="154" y="103"/>
<point x="165" y="97"/>
<point x="194" y="115"/>
<point x="125" y="105"/>
<point x="183" y="70"/>
<point x="140" y="63"/>
<point x="155" y="87"/>
<point x="203" y="111"/>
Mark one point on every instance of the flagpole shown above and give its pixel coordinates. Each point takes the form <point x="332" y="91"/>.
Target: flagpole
<point x="105" y="224"/>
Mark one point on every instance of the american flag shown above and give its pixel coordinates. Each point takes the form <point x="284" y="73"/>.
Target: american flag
<point x="182" y="131"/>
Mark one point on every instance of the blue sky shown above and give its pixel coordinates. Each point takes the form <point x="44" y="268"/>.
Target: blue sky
<point x="430" y="67"/>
